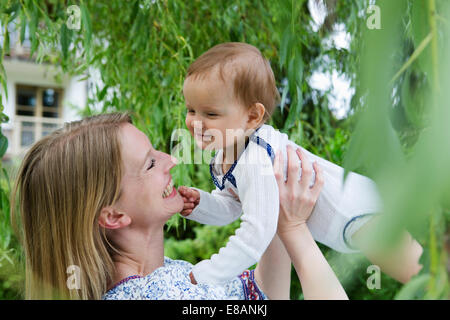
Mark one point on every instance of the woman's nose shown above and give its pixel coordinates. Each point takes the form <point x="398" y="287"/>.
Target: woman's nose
<point x="169" y="161"/>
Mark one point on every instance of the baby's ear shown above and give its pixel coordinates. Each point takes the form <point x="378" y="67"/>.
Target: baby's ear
<point x="255" y="115"/>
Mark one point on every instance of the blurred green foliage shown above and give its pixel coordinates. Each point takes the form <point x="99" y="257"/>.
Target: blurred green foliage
<point x="396" y="132"/>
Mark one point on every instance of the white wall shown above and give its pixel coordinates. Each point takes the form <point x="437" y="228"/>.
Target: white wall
<point x="29" y="73"/>
<point x="75" y="97"/>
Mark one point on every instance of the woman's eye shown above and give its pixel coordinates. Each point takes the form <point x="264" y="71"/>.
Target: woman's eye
<point x="152" y="164"/>
<point x="191" y="111"/>
<point x="211" y="114"/>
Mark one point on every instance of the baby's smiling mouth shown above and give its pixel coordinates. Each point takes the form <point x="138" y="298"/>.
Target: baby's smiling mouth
<point x="204" y="137"/>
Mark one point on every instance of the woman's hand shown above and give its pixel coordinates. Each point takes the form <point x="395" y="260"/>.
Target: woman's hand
<point x="297" y="198"/>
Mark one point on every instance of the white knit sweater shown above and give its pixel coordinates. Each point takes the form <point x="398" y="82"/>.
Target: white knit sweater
<point x="340" y="210"/>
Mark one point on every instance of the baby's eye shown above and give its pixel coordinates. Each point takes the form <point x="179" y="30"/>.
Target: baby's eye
<point x="152" y="164"/>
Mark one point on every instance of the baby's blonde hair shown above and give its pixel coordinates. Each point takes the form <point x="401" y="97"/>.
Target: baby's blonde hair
<point x="64" y="181"/>
<point x="252" y="77"/>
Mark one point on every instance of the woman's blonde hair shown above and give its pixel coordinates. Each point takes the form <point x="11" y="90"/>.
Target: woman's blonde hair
<point x="64" y="181"/>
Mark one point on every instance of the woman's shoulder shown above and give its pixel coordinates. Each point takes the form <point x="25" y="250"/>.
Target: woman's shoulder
<point x="151" y="286"/>
<point x="168" y="282"/>
<point x="171" y="263"/>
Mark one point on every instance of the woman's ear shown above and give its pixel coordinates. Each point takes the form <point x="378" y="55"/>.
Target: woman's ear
<point x="110" y="218"/>
<point x="255" y="115"/>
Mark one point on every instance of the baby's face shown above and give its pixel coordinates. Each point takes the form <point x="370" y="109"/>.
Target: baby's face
<point x="215" y="118"/>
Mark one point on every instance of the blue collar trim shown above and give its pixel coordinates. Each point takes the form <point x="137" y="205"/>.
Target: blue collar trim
<point x="229" y="176"/>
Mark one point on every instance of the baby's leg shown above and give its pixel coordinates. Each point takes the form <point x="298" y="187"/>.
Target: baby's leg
<point x="342" y="208"/>
<point x="400" y="262"/>
<point x="345" y="217"/>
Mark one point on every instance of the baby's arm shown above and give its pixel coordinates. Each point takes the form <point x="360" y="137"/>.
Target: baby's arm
<point x="258" y="193"/>
<point x="216" y="208"/>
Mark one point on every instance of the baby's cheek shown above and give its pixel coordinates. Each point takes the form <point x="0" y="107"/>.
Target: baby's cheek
<point x="188" y="124"/>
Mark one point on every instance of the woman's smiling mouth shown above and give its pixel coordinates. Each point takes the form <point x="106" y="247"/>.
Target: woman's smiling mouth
<point x="169" y="191"/>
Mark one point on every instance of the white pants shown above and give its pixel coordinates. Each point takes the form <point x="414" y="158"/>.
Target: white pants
<point x="342" y="208"/>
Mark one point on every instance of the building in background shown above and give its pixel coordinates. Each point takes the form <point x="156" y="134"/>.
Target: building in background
<point x="37" y="102"/>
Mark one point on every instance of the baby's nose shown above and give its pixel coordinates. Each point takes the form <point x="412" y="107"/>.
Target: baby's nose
<point x="197" y="125"/>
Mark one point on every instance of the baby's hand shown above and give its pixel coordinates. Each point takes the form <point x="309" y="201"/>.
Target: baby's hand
<point x="191" y="199"/>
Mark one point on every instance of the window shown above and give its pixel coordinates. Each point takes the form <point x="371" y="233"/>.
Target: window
<point x="26" y="101"/>
<point x="38" y="101"/>
<point x="38" y="112"/>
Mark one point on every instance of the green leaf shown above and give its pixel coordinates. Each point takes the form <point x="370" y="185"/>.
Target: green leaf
<point x="34" y="45"/>
<point x="33" y="29"/>
<point x="420" y="29"/>
<point x="135" y="10"/>
<point x="6" y="40"/>
<point x="3" y="118"/>
<point x="299" y="69"/>
<point x="295" y="70"/>
<point x="283" y="97"/>
<point x="87" y="27"/>
<point x="23" y="26"/>
<point x="413" y="99"/>
<point x="65" y="39"/>
<point x="3" y="79"/>
<point x="6" y="175"/>
<point x="284" y="48"/>
<point x="295" y="109"/>
<point x="3" y="145"/>
<point x="421" y="47"/>
<point x="102" y="93"/>
<point x="412" y="288"/>
<point x="13" y="9"/>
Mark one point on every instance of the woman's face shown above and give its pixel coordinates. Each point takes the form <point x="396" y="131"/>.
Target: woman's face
<point x="147" y="192"/>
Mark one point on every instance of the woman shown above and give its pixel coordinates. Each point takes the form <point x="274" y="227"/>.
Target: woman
<point x="94" y="197"/>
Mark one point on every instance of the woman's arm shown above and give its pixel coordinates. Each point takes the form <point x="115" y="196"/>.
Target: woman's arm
<point x="316" y="276"/>
<point x="297" y="201"/>
<point x="273" y="271"/>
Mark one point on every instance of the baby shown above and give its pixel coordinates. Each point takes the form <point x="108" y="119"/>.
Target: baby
<point x="230" y="93"/>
